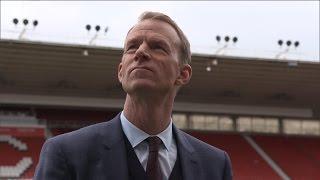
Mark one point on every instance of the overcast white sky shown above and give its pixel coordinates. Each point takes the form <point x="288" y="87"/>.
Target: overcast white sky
<point x="258" y="25"/>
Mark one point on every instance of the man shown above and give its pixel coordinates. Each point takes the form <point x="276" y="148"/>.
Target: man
<point x="141" y="142"/>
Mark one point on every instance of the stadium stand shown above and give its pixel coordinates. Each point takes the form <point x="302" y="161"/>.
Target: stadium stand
<point x="11" y="117"/>
<point x="247" y="164"/>
<point x="48" y="89"/>
<point x="17" y="170"/>
<point x="21" y="139"/>
<point x="297" y="156"/>
<point x="34" y="144"/>
<point x="14" y="142"/>
<point x="19" y="156"/>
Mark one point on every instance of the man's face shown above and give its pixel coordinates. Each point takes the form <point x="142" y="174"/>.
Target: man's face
<point x="151" y="58"/>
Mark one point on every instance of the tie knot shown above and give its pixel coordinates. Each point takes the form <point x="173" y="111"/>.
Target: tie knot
<point x="154" y="143"/>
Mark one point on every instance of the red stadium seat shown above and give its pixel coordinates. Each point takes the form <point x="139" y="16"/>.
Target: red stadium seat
<point x="247" y="164"/>
<point x="297" y="156"/>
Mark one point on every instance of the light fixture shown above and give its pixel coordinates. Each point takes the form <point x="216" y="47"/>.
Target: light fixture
<point x="15" y="21"/>
<point x="218" y="38"/>
<point x="88" y="27"/>
<point x="85" y="52"/>
<point x="288" y="44"/>
<point x="214" y="62"/>
<point x="208" y="68"/>
<point x="226" y="38"/>
<point x="280" y="42"/>
<point x="234" y="39"/>
<point x="25" y="22"/>
<point x="97" y="28"/>
<point x="95" y="36"/>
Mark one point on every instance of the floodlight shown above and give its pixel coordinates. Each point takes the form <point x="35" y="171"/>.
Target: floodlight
<point x="283" y="53"/>
<point x="15" y="21"/>
<point x="227" y="38"/>
<point x="288" y="43"/>
<point x="25" y="22"/>
<point x="35" y="23"/>
<point x="97" y="28"/>
<point x="85" y="52"/>
<point x="214" y="62"/>
<point x="88" y="27"/>
<point x="218" y="38"/>
<point x="235" y="39"/>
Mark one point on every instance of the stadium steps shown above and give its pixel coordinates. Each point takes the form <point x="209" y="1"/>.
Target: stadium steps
<point x="285" y="151"/>
<point x="20" y="158"/>
<point x="266" y="157"/>
<point x="247" y="164"/>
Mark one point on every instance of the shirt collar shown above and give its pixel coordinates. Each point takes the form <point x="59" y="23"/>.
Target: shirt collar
<point x="136" y="135"/>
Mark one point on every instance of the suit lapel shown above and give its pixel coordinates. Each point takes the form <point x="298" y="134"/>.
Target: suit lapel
<point x="113" y="161"/>
<point x="189" y="161"/>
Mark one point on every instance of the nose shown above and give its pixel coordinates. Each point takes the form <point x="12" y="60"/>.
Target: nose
<point x="142" y="53"/>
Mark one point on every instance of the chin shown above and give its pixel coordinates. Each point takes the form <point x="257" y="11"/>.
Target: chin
<point x="140" y="87"/>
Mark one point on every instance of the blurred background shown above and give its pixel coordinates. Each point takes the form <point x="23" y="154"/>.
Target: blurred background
<point x="254" y="91"/>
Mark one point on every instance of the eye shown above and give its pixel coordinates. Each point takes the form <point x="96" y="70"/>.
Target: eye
<point x="159" y="47"/>
<point x="131" y="48"/>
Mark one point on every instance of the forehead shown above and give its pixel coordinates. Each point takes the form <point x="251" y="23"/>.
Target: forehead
<point x="154" y="28"/>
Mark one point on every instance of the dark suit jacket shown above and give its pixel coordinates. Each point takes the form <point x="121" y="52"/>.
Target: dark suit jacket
<point x="98" y="152"/>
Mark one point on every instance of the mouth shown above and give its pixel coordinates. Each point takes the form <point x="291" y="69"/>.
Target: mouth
<point x="141" y="68"/>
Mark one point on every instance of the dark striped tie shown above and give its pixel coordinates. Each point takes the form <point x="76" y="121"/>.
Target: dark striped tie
<point x="153" y="166"/>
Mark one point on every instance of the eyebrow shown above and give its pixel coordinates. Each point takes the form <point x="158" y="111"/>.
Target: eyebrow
<point x="158" y="40"/>
<point x="133" y="40"/>
<point x="161" y="42"/>
<point x="153" y="39"/>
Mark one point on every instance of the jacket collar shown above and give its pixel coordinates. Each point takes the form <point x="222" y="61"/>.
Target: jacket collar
<point x="189" y="160"/>
<point x="114" y="160"/>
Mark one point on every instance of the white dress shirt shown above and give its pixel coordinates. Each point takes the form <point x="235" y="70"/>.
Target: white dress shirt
<point x="167" y="152"/>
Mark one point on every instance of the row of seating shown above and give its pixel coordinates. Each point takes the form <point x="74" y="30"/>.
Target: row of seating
<point x="246" y="162"/>
<point x="15" y="163"/>
<point x="17" y="170"/>
<point x="34" y="148"/>
<point x="16" y="116"/>
<point x="14" y="142"/>
<point x="297" y="157"/>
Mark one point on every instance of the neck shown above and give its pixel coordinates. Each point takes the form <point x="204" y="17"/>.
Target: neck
<point x="149" y="114"/>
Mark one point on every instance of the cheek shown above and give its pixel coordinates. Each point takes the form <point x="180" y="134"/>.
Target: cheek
<point x="124" y="69"/>
<point x="174" y="67"/>
<point x="171" y="71"/>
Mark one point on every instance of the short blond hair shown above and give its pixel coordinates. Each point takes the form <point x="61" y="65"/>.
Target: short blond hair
<point x="185" y="53"/>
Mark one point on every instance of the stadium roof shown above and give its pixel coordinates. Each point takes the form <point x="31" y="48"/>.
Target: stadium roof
<point x="60" y="70"/>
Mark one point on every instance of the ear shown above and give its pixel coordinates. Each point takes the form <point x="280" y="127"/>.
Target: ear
<point x="120" y="73"/>
<point x="185" y="75"/>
